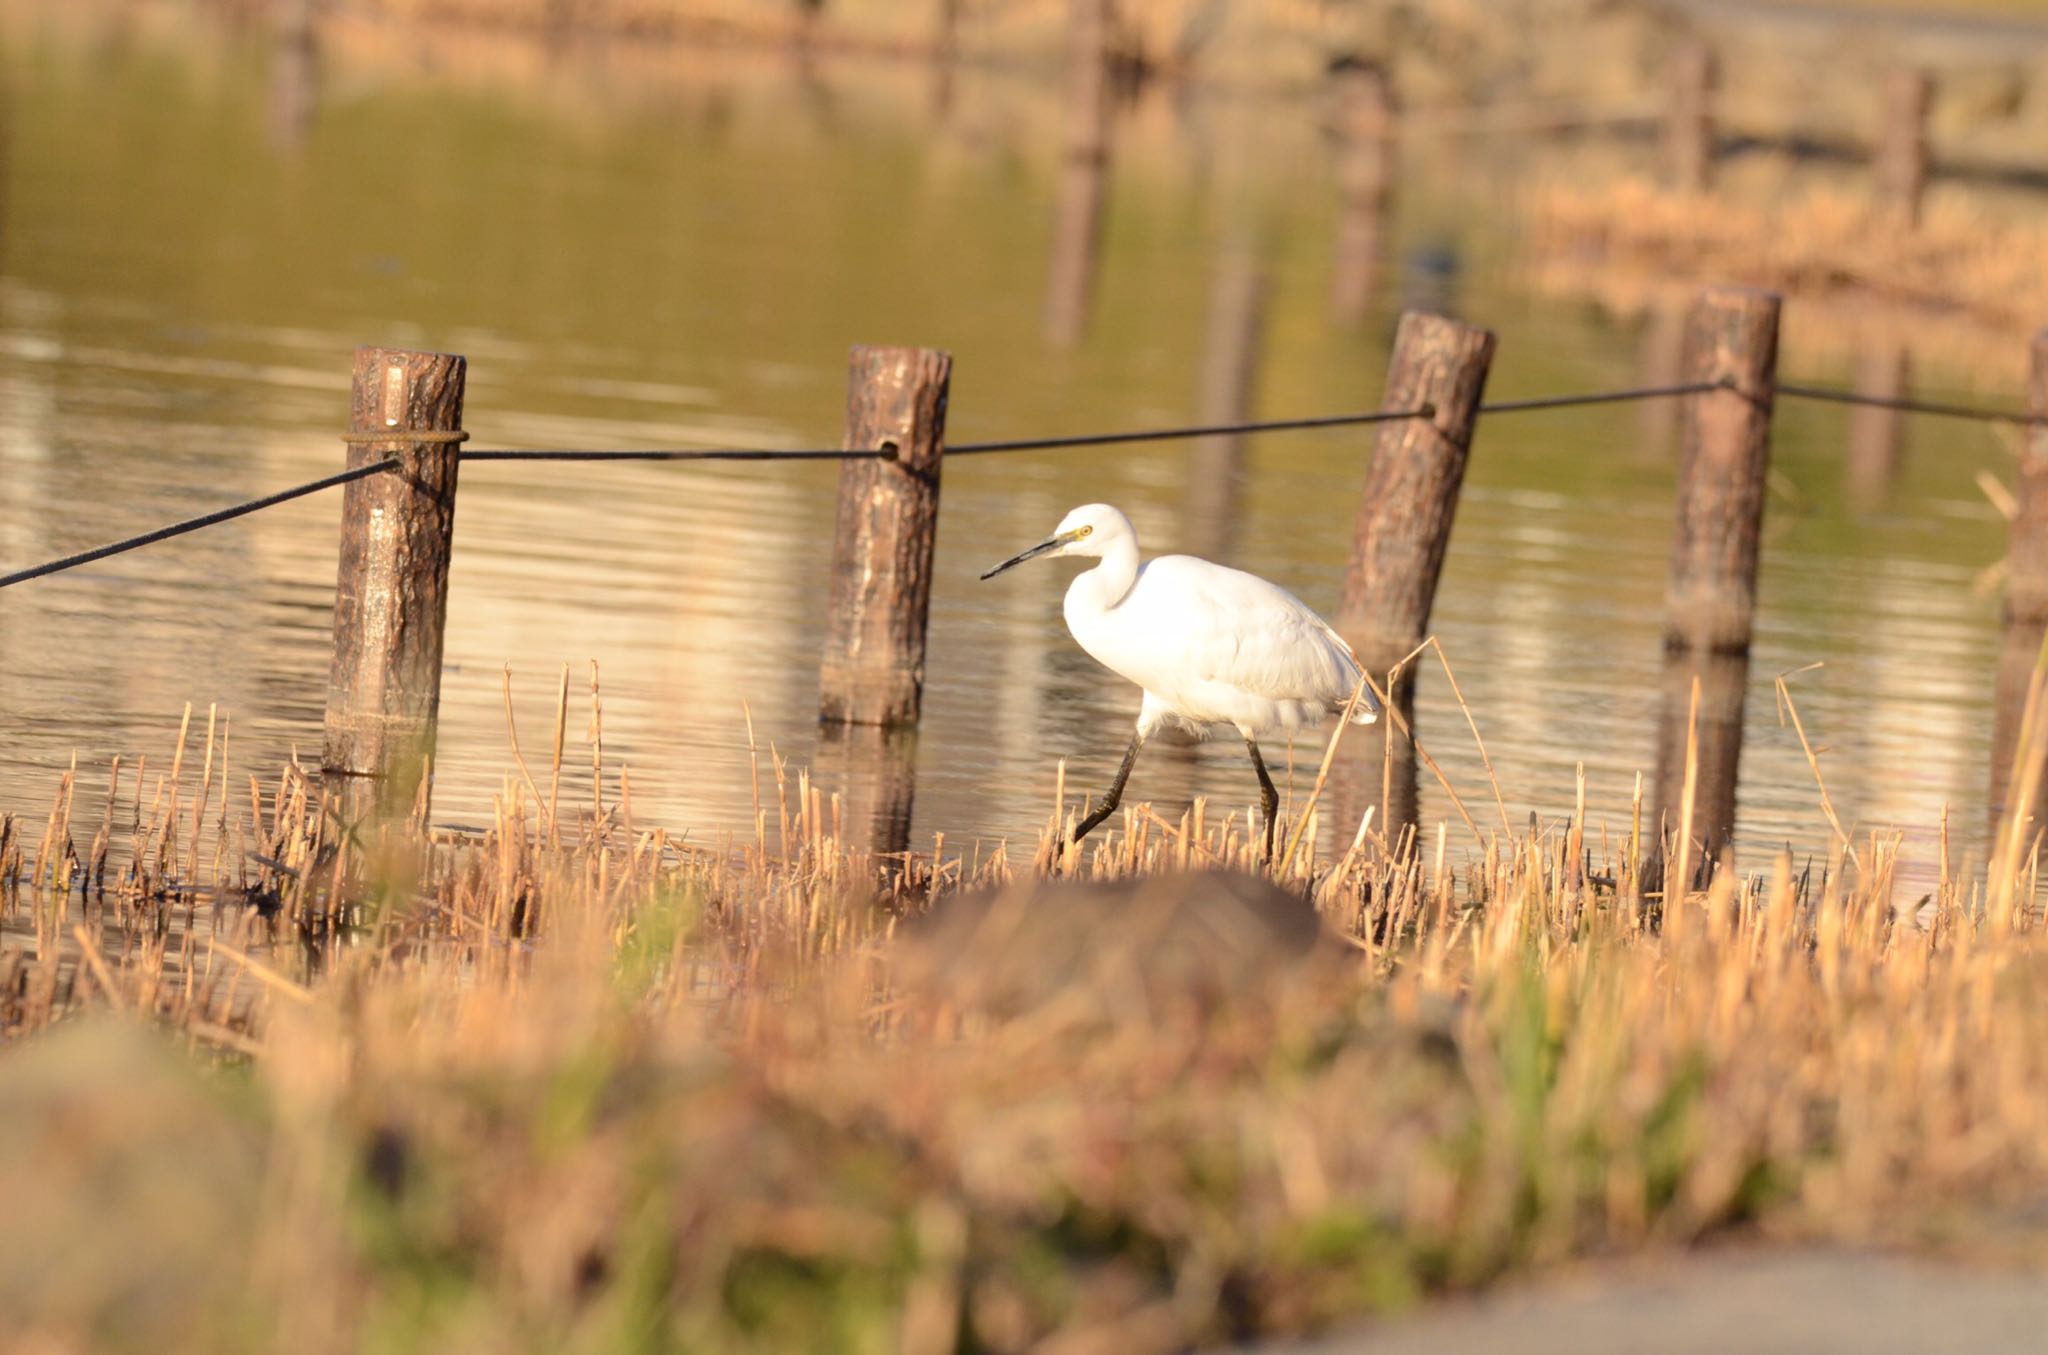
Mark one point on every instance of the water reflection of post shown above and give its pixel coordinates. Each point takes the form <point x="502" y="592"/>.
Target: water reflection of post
<point x="1724" y="680"/>
<point x="1377" y="772"/>
<point x="1902" y="146"/>
<point x="1689" y="129"/>
<point x="1230" y="362"/>
<point x="1077" y="224"/>
<point x="1659" y="361"/>
<point x="294" y="53"/>
<point x="1364" y="126"/>
<point x="1876" y="433"/>
<point x="1731" y="336"/>
<point x="945" y="54"/>
<point x="874" y="769"/>
<point x="2026" y="588"/>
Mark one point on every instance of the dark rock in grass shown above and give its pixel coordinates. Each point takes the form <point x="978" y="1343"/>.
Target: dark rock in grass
<point x="1116" y="948"/>
<point x="129" y="1191"/>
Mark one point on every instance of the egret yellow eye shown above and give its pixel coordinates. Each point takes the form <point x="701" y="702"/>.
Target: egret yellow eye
<point x="1080" y="532"/>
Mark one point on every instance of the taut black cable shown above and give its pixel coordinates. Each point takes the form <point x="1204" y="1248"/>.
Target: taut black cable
<point x="668" y="454"/>
<point x="1601" y="397"/>
<point x="233" y="511"/>
<point x="1197" y="431"/>
<point x="219" y="515"/>
<point x="1908" y="406"/>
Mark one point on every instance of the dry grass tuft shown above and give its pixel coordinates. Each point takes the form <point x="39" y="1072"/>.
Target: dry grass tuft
<point x="1822" y="243"/>
<point x="576" y="1088"/>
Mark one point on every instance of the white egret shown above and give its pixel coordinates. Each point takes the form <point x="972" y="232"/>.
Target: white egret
<point x="1209" y="645"/>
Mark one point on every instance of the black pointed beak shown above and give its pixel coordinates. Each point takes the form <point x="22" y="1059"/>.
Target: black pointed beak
<point x="1050" y="543"/>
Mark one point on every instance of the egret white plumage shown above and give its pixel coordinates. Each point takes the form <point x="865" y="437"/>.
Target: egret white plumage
<point x="1208" y="644"/>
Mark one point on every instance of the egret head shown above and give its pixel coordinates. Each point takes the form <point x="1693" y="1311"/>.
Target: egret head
<point x="1091" y="529"/>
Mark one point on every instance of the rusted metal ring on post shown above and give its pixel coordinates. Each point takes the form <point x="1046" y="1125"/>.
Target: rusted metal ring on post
<point x="441" y="435"/>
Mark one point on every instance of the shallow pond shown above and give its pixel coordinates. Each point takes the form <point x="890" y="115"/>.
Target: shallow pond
<point x="678" y="250"/>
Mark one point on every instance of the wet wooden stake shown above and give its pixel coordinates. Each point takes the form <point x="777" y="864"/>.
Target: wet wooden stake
<point x="1725" y="447"/>
<point x="1689" y="130"/>
<point x="1902" y="146"/>
<point x="391" y="597"/>
<point x="882" y="549"/>
<point x="1411" y="492"/>
<point x="2025" y="612"/>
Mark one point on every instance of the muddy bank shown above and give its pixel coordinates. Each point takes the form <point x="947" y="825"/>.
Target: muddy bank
<point x="1767" y="1302"/>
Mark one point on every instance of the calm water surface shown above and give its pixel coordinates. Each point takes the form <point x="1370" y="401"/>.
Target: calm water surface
<point x="682" y="257"/>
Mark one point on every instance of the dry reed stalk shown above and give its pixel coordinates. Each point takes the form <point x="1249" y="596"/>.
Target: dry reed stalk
<point x="2010" y="847"/>
<point x="1322" y="774"/>
<point x="205" y="782"/>
<point x="555" y="759"/>
<point x="754" y="784"/>
<point x="512" y="738"/>
<point x="1575" y="841"/>
<point x="1674" y="912"/>
<point x="1788" y="708"/>
<point x="596" y="736"/>
<point x="91" y="953"/>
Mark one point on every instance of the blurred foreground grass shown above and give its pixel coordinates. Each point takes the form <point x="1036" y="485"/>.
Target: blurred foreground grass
<point x="592" y="1091"/>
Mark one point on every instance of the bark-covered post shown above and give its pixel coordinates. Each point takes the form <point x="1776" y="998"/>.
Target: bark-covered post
<point x="1411" y="492"/>
<point x="1397" y="550"/>
<point x="2025" y="612"/>
<point x="391" y="597"/>
<point x="1689" y="127"/>
<point x="1902" y="145"/>
<point x="1364" y="127"/>
<point x="1731" y="337"/>
<point x="882" y="548"/>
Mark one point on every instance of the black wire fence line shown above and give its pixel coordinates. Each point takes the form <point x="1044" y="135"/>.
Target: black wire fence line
<point x="1939" y="408"/>
<point x="211" y="519"/>
<point x="233" y="511"/>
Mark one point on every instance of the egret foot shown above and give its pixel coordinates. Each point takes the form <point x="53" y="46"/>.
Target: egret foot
<point x="1269" y="799"/>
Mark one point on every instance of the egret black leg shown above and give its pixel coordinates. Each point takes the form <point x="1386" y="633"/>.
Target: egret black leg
<point x="1115" y="795"/>
<point x="1269" y="799"/>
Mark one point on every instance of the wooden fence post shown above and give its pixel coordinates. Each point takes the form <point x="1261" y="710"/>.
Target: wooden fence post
<point x="1731" y="336"/>
<point x="1397" y="548"/>
<point x="2025" y="612"/>
<point x="1411" y="492"/>
<point x="391" y="597"/>
<point x="882" y="548"/>
<point x="1689" y="131"/>
<point x="1902" y="145"/>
